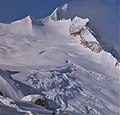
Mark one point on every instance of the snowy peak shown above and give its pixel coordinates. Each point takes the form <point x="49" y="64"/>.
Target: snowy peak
<point x="26" y="20"/>
<point x="60" y="13"/>
<point x="77" y="24"/>
<point x="65" y="7"/>
<point x="103" y="25"/>
<point x="20" y="27"/>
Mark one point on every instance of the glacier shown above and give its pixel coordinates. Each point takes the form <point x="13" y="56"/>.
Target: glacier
<point x="60" y="59"/>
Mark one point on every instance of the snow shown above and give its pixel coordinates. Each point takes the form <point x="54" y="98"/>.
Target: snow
<point x="9" y="87"/>
<point x="10" y="103"/>
<point x="59" y="13"/>
<point x="104" y="21"/>
<point x="17" y="27"/>
<point x="78" y="24"/>
<point x="45" y="61"/>
<point x="32" y="98"/>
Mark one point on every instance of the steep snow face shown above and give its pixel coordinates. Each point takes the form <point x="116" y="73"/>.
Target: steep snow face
<point x="104" y="21"/>
<point x="16" y="48"/>
<point x="53" y="63"/>
<point x="21" y="49"/>
<point x="60" y="13"/>
<point x="21" y="27"/>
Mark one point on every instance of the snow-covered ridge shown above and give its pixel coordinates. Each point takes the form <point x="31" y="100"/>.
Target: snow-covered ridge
<point x="106" y="26"/>
<point x="28" y="30"/>
<point x="20" y="27"/>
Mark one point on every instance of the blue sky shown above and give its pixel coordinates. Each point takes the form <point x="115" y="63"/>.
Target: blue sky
<point x="11" y="10"/>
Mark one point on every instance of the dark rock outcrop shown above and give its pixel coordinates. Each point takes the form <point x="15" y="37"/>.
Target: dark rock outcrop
<point x="42" y="102"/>
<point x="94" y="46"/>
<point x="1" y="94"/>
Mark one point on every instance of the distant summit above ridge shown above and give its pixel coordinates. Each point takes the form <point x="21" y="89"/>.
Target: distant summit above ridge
<point x="104" y="22"/>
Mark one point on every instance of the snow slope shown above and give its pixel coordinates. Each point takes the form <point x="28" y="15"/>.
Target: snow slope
<point x="47" y="60"/>
<point x="9" y="87"/>
<point x="104" y="20"/>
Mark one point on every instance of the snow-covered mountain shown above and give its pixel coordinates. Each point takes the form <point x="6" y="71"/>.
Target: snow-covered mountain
<point x="57" y="62"/>
<point x="104" y="22"/>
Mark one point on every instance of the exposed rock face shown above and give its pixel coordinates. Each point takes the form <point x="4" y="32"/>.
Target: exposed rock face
<point x="94" y="46"/>
<point x="1" y="94"/>
<point x="117" y="63"/>
<point x="42" y="102"/>
<point x="78" y="28"/>
<point x="77" y="25"/>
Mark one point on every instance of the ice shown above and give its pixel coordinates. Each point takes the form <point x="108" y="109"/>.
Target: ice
<point x="43" y="59"/>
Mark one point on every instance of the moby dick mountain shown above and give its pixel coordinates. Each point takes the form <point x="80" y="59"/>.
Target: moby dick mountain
<point x="57" y="65"/>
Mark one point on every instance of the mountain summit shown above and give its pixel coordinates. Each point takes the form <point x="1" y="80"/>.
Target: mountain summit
<point x="103" y="21"/>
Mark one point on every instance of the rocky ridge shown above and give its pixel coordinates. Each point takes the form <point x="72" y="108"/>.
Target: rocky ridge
<point x="79" y="28"/>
